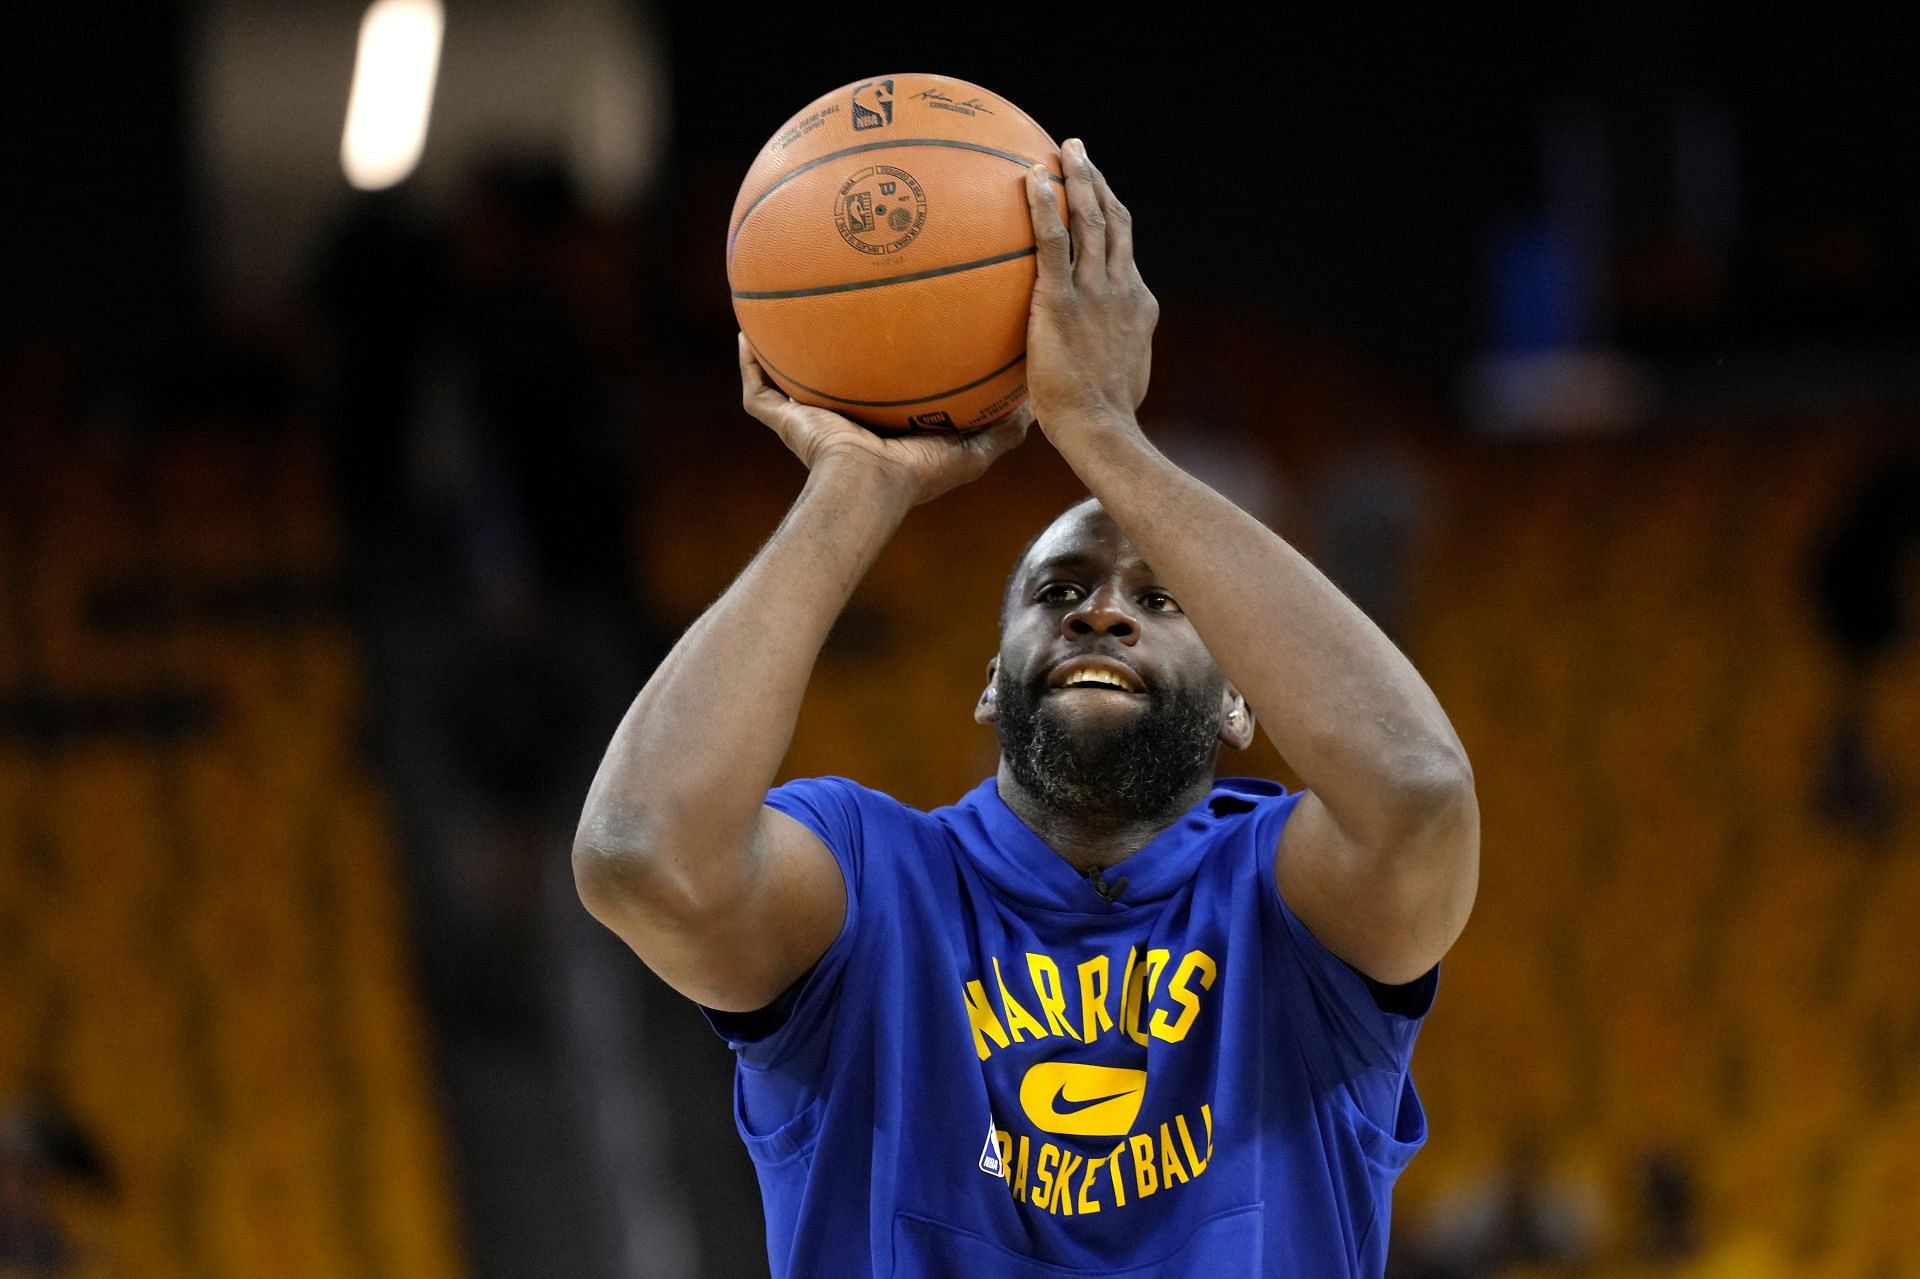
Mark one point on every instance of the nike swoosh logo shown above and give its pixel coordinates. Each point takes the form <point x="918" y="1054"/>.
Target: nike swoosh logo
<point x="1062" y="1106"/>
<point x="1080" y="1099"/>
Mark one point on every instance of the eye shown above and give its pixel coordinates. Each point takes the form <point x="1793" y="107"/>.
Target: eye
<point x="1160" y="602"/>
<point x="1059" y="593"/>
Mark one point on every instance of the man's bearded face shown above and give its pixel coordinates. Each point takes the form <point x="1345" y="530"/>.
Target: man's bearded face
<point x="1130" y="767"/>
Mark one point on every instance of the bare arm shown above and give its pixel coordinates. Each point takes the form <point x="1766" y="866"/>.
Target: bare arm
<point x="1381" y="858"/>
<point x="730" y="901"/>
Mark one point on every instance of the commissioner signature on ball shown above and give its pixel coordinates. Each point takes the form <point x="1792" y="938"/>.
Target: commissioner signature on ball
<point x="940" y="101"/>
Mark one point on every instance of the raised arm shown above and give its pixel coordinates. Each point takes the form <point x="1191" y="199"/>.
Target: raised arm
<point x="726" y="899"/>
<point x="1381" y="858"/>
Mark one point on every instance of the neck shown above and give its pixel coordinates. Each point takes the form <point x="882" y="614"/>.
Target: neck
<point x="1092" y="841"/>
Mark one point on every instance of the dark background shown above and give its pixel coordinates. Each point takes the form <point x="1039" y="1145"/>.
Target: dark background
<point x="1343" y="167"/>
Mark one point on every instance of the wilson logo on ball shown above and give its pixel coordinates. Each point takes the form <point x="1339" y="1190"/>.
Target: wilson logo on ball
<point x="880" y="210"/>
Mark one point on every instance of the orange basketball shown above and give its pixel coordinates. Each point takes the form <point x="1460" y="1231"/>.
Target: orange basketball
<point x="881" y="253"/>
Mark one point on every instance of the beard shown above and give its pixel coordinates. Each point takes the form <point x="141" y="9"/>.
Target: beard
<point x="1135" y="770"/>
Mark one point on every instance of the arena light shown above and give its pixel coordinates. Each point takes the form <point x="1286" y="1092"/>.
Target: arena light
<point x="392" y="92"/>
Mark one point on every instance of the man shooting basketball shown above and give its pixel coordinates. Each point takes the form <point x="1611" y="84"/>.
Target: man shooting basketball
<point x="1106" y="1012"/>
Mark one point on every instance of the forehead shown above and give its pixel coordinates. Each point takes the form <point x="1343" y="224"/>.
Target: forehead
<point x="1084" y="534"/>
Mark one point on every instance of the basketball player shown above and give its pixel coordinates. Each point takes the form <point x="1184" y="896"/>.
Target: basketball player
<point x="1107" y="1013"/>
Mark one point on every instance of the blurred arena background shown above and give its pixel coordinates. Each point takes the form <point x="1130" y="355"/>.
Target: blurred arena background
<point x="337" y="526"/>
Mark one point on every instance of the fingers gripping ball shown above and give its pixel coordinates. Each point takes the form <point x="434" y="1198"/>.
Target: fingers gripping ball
<point x="881" y="253"/>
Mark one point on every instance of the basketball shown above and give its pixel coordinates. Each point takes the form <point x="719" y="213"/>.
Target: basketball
<point x="881" y="254"/>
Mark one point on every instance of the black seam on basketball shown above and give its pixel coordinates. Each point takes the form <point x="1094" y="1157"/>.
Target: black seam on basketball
<point x="887" y="404"/>
<point x="733" y="236"/>
<point x="775" y="295"/>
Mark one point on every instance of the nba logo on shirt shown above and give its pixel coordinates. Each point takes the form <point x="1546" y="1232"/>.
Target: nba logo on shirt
<point x="990" y="1156"/>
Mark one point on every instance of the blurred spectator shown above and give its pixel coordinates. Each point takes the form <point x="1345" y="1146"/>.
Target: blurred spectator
<point x="546" y="448"/>
<point x="1669" y="1242"/>
<point x="1863" y="572"/>
<point x="379" y="289"/>
<point x="1671" y="286"/>
<point x="1525" y="1214"/>
<point x="1669" y="1229"/>
<point x="484" y="471"/>
<point x="1369" y="513"/>
<point x="532" y="487"/>
<point x="39" y="1146"/>
<point x="482" y="382"/>
<point x="31" y="1240"/>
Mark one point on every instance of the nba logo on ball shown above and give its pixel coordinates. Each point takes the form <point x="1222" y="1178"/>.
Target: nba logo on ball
<point x="873" y="105"/>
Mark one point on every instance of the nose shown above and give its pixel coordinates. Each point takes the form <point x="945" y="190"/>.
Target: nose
<point x="1103" y="613"/>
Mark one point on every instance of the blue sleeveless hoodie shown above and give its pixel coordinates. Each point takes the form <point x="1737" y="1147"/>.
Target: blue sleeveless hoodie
<point x="995" y="1070"/>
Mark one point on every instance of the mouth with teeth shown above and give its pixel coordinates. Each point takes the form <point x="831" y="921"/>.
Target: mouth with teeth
<point x="1094" y="675"/>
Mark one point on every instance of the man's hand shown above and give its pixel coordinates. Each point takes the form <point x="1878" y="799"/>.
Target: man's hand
<point x="1090" y="333"/>
<point x="922" y="466"/>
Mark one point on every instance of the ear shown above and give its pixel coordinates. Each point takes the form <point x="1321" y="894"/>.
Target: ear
<point x="1236" y="720"/>
<point x="986" y="711"/>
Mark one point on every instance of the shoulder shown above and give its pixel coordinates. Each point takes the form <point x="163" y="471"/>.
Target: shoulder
<point x="845" y="814"/>
<point x="1227" y="840"/>
<point x="1249" y="808"/>
<point x="833" y="792"/>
